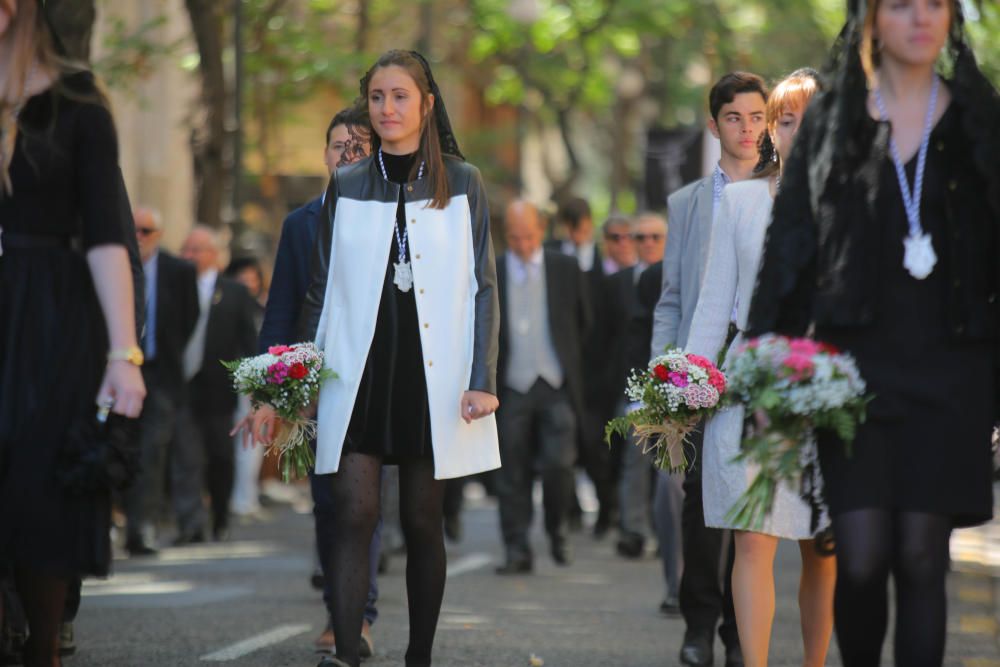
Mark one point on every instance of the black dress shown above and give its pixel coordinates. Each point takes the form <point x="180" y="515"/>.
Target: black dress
<point x="926" y="444"/>
<point x="391" y="417"/>
<point x="68" y="197"/>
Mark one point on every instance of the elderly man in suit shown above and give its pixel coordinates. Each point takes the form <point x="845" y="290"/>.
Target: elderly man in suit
<point x="204" y="450"/>
<point x="171" y="311"/>
<point x="737" y="103"/>
<point x="545" y="317"/>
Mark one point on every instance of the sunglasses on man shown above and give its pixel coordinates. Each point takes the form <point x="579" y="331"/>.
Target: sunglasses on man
<point x="647" y="237"/>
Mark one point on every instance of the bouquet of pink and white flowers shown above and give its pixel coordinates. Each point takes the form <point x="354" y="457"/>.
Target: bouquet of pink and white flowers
<point x="675" y="392"/>
<point x="288" y="378"/>
<point x="789" y="387"/>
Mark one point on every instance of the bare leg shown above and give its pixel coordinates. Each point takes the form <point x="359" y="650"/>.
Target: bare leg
<point x="753" y="594"/>
<point x="819" y="577"/>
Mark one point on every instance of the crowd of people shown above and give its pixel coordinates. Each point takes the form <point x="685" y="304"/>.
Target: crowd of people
<point x="858" y="206"/>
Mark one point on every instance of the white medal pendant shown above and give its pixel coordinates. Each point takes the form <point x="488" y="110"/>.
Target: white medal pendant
<point x="919" y="258"/>
<point x="404" y="276"/>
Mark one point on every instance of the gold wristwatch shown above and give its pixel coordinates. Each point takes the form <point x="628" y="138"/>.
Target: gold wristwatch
<point x="133" y="355"/>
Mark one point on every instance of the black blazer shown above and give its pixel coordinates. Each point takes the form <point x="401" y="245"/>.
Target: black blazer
<point x="620" y="303"/>
<point x="231" y="333"/>
<point x="640" y="327"/>
<point x="176" y="316"/>
<point x="290" y="279"/>
<point x="569" y="319"/>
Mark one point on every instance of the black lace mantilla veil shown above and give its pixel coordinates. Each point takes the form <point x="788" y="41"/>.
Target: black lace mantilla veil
<point x="449" y="144"/>
<point x="834" y="142"/>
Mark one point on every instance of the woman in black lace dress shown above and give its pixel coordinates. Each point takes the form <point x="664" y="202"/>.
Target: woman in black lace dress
<point x="67" y="315"/>
<point x="885" y="238"/>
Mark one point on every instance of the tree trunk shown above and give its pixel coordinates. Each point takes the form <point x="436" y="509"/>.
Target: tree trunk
<point x="73" y="20"/>
<point x="208" y="137"/>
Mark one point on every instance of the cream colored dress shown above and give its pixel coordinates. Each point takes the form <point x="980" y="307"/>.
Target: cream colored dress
<point x="737" y="241"/>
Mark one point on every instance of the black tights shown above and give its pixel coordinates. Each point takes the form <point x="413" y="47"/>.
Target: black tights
<point x="44" y="600"/>
<point x="356" y="493"/>
<point x="912" y="546"/>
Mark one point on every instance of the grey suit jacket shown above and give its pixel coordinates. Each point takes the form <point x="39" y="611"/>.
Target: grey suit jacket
<point x="689" y="212"/>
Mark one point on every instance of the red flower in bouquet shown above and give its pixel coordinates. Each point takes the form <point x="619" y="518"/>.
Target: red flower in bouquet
<point x="661" y="373"/>
<point x="298" y="371"/>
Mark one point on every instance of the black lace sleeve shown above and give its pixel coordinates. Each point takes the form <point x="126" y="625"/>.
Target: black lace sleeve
<point x="783" y="296"/>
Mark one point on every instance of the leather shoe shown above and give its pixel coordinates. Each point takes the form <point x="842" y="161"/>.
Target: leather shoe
<point x="139" y="548"/>
<point x="67" y="644"/>
<point x="331" y="661"/>
<point x="696" y="652"/>
<point x="366" y="648"/>
<point x="196" y="537"/>
<point x="631" y="545"/>
<point x="516" y="565"/>
<point x="734" y="657"/>
<point x="561" y="552"/>
<point x="670" y="606"/>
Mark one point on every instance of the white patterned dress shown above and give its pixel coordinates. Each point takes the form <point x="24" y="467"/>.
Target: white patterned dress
<point x="737" y="242"/>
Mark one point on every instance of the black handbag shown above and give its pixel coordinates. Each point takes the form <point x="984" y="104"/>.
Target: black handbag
<point x="100" y="454"/>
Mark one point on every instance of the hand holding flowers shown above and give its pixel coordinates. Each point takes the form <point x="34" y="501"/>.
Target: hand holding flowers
<point x="790" y="387"/>
<point x="675" y="392"/>
<point x="283" y="386"/>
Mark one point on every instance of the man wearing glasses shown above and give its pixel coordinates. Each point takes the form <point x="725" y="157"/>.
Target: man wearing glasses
<point x="171" y="314"/>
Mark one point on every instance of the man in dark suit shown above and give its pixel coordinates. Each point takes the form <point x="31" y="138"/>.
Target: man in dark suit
<point x="346" y="142"/>
<point x="171" y="311"/>
<point x="204" y="449"/>
<point x="575" y="216"/>
<point x="545" y="317"/>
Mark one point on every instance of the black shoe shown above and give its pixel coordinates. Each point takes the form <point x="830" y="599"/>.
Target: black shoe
<point x="330" y="661"/>
<point x="734" y="656"/>
<point x="561" y="552"/>
<point x="670" y="606"/>
<point x="631" y="545"/>
<point x="316" y="579"/>
<point x="138" y="548"/>
<point x="67" y="644"/>
<point x="602" y="525"/>
<point x="696" y="652"/>
<point x="197" y="537"/>
<point x="516" y="565"/>
<point x="453" y="528"/>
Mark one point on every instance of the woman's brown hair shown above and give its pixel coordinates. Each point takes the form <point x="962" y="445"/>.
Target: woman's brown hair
<point x="430" y="142"/>
<point x="868" y="49"/>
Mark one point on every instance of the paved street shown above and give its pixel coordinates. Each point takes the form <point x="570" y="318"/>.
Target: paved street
<point x="248" y="602"/>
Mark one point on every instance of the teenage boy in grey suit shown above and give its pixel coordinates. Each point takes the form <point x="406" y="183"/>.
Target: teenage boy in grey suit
<point x="737" y="103"/>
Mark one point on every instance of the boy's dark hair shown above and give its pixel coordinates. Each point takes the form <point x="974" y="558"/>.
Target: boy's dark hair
<point x="572" y="211"/>
<point x="355" y="115"/>
<point x="729" y="86"/>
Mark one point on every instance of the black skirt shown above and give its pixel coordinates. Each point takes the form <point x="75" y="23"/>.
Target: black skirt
<point x="926" y="444"/>
<point x="391" y="417"/>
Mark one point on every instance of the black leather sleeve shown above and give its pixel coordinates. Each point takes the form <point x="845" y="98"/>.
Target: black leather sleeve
<point x="786" y="282"/>
<point x="319" y="267"/>
<point x="487" y="306"/>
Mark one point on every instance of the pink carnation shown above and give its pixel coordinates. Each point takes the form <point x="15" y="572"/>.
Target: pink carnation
<point x="277" y="373"/>
<point x="678" y="379"/>
<point x="697" y="396"/>
<point x="800" y="365"/>
<point x="717" y="380"/>
<point x="700" y="361"/>
<point x="278" y="350"/>
<point x="804" y="346"/>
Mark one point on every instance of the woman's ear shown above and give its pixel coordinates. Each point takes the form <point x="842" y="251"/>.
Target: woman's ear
<point x="430" y="103"/>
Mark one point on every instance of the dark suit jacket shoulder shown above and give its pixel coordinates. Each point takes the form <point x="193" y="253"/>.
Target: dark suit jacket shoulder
<point x="176" y="316"/>
<point x="290" y="279"/>
<point x="230" y="334"/>
<point x="570" y="318"/>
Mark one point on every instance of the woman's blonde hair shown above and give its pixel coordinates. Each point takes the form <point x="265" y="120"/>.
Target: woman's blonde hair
<point x="792" y="94"/>
<point x="868" y="51"/>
